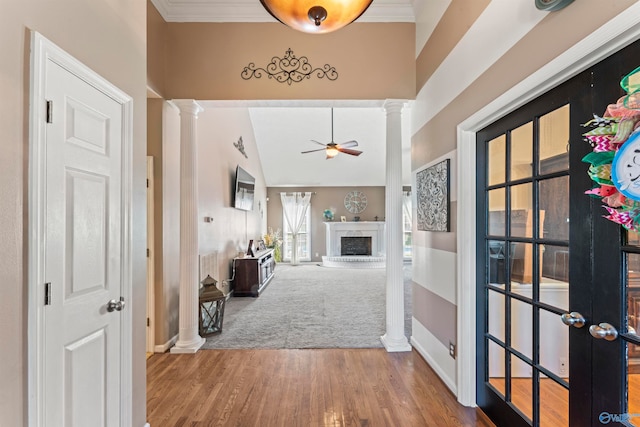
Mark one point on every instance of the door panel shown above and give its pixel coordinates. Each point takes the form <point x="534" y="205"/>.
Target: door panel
<point x="83" y="253"/>
<point x="562" y="257"/>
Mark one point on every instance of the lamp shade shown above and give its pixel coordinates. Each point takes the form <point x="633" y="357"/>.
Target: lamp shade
<point x="316" y="16"/>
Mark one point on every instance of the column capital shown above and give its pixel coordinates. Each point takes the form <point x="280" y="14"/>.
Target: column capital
<point x="394" y="105"/>
<point x="188" y="106"/>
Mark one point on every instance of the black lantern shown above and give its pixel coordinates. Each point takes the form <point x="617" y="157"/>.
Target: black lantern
<point x="211" y="307"/>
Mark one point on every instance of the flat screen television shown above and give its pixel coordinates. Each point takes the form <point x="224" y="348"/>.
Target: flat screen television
<point x="244" y="191"/>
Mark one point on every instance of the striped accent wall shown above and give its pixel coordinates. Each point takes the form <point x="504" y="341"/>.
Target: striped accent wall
<point x="476" y="52"/>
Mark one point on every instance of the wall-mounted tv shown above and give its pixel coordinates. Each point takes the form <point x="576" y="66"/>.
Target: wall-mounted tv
<point x="244" y="190"/>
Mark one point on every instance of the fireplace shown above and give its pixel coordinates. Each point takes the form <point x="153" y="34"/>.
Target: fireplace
<point x="370" y="229"/>
<point x="355" y="245"/>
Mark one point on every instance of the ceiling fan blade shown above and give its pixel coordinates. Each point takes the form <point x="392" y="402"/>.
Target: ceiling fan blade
<point x="349" y="144"/>
<point x="349" y="151"/>
<point x="313" y="151"/>
<point x="317" y="142"/>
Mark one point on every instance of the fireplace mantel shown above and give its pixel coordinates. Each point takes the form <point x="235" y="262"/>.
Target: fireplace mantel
<point x="373" y="229"/>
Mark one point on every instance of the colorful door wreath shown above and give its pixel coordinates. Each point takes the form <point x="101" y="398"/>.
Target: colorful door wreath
<point x="615" y="160"/>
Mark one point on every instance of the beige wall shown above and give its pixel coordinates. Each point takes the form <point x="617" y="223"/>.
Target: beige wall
<point x="109" y="36"/>
<point x="373" y="61"/>
<point x="325" y="198"/>
<point x="154" y="149"/>
<point x="436" y="138"/>
<point x="156" y="49"/>
<point x="457" y="19"/>
<point x="231" y="229"/>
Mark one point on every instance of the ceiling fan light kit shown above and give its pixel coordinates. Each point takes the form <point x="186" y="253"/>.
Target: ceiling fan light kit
<point x="316" y="16"/>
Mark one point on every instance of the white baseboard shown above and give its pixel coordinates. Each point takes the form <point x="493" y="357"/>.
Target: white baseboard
<point x="166" y="346"/>
<point x="431" y="360"/>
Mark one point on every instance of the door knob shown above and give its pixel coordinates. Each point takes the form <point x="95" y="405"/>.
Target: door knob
<point x="115" y="305"/>
<point x="603" y="330"/>
<point x="574" y="319"/>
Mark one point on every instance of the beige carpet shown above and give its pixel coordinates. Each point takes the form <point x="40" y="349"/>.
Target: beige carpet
<point x="309" y="306"/>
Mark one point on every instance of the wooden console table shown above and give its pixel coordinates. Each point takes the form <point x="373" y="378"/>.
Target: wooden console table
<point x="253" y="274"/>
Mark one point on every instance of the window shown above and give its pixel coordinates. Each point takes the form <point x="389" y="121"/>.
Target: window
<point x="304" y="239"/>
<point x="407" y="242"/>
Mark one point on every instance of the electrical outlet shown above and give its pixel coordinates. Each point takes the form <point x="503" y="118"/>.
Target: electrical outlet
<point x="563" y="366"/>
<point x="452" y="349"/>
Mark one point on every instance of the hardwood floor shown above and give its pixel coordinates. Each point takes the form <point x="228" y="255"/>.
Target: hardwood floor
<point x="554" y="399"/>
<point x="315" y="387"/>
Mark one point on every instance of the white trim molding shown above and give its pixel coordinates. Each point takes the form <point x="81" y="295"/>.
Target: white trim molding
<point x="252" y="11"/>
<point x="608" y="39"/>
<point x="163" y="348"/>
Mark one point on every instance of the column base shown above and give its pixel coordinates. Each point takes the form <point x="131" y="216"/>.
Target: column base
<point x="188" y="347"/>
<point x="396" y="345"/>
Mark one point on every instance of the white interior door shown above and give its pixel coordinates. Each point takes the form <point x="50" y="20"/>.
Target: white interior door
<point x="79" y="267"/>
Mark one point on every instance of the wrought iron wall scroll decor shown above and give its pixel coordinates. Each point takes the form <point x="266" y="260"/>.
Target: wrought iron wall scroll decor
<point x="289" y="69"/>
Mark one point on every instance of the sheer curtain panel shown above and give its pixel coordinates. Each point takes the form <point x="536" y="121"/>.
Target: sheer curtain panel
<point x="294" y="209"/>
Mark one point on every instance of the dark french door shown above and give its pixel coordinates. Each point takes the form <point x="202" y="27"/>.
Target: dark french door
<point x="547" y="260"/>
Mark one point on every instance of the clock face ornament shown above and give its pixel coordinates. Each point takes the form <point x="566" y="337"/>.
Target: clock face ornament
<point x="625" y="169"/>
<point x="355" y="202"/>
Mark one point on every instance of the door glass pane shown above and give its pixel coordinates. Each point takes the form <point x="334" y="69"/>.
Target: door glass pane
<point x="633" y="296"/>
<point x="521" y="386"/>
<point x="554" y="141"/>
<point x="554" y="404"/>
<point x="633" y="238"/>
<point x="496" y="367"/>
<point x="521" y="321"/>
<point x="497" y="258"/>
<point x="497" y="212"/>
<point x="522" y="152"/>
<point x="554" y="344"/>
<point x="554" y="208"/>
<point x="554" y="276"/>
<point x="521" y="210"/>
<point x="496" y="314"/>
<point x="522" y="262"/>
<point x="496" y="161"/>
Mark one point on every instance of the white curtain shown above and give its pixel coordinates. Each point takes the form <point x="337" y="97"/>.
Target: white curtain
<point x="406" y="205"/>
<point x="294" y="209"/>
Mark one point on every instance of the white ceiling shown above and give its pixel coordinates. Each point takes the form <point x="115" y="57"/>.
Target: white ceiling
<point x="283" y="129"/>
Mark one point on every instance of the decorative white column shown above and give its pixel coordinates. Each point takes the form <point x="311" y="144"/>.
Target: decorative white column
<point x="189" y="341"/>
<point x="394" y="338"/>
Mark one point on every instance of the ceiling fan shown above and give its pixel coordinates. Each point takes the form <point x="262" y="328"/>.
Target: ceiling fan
<point x="332" y="149"/>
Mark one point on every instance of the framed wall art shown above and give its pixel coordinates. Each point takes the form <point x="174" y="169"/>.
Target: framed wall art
<point x="432" y="197"/>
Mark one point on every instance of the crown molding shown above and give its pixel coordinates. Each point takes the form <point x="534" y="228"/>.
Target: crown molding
<point x="252" y="11"/>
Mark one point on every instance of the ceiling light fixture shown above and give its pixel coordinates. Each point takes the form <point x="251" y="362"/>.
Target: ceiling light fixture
<point x="316" y="16"/>
<point x="332" y="152"/>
